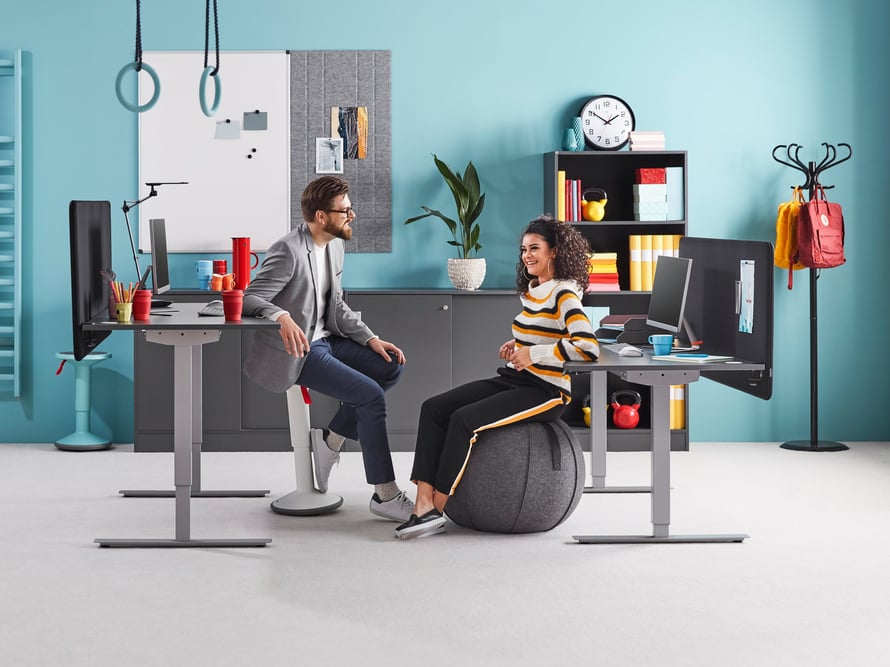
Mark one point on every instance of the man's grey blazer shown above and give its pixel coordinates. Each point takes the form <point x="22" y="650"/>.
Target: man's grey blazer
<point x="286" y="281"/>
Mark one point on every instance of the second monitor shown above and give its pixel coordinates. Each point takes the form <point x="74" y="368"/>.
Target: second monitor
<point x="160" y="271"/>
<point x="667" y="304"/>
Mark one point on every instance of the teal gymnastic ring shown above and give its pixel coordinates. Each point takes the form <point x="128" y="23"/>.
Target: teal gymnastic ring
<point x="154" y="79"/>
<point x="202" y="90"/>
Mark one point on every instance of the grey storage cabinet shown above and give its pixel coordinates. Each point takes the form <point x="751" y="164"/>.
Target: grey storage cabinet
<point x="449" y="337"/>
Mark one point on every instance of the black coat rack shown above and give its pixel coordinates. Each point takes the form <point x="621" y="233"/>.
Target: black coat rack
<point x="812" y="172"/>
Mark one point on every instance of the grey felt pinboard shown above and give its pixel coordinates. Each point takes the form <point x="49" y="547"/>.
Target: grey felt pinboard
<point x="521" y="478"/>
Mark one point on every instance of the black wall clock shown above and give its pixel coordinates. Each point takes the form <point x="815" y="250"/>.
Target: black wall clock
<point x="607" y="122"/>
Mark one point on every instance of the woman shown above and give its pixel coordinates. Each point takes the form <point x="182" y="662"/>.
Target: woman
<point x="551" y="329"/>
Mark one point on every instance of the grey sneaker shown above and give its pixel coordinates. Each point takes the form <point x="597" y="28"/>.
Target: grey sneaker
<point x="323" y="457"/>
<point x="398" y="509"/>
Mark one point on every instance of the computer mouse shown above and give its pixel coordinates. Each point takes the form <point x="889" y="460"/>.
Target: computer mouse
<point x="630" y="351"/>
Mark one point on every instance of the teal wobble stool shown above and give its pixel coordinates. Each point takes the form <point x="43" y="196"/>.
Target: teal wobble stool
<point x="82" y="439"/>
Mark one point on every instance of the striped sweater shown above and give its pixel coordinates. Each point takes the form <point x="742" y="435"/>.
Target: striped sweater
<point x="556" y="328"/>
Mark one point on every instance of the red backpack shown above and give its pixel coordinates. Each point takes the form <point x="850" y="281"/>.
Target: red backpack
<point x="820" y="233"/>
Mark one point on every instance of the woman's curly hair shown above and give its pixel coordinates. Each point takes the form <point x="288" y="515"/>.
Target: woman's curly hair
<point x="571" y="256"/>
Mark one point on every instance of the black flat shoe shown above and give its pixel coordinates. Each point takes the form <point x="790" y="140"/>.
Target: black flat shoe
<point x="420" y="526"/>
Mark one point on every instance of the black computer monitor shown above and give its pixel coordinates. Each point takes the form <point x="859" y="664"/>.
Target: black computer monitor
<point x="160" y="271"/>
<point x="89" y="224"/>
<point x="667" y="304"/>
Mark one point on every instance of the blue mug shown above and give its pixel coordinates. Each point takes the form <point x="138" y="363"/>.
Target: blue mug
<point x="204" y="269"/>
<point x="661" y="343"/>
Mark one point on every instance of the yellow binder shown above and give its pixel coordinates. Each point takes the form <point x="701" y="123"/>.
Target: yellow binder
<point x="657" y="251"/>
<point x="646" y="262"/>
<point x="636" y="263"/>
<point x="678" y="407"/>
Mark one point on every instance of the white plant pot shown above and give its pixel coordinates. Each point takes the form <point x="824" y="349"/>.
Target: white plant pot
<point x="466" y="273"/>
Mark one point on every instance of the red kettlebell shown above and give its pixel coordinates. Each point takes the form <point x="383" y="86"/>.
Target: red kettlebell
<point x="625" y="415"/>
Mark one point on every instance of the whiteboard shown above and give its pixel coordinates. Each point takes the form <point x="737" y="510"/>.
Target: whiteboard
<point x="238" y="178"/>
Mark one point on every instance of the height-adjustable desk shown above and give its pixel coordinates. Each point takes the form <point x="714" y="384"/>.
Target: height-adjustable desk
<point x="659" y="376"/>
<point x="187" y="332"/>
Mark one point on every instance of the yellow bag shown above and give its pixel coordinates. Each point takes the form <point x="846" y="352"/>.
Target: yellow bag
<point x="786" y="232"/>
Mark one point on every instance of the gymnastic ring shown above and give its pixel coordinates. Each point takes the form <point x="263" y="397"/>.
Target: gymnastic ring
<point x="202" y="91"/>
<point x="154" y="79"/>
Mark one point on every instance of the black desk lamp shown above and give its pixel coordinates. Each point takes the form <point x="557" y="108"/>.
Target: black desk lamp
<point x="129" y="205"/>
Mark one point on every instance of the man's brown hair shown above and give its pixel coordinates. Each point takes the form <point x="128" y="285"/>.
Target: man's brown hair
<point x="319" y="195"/>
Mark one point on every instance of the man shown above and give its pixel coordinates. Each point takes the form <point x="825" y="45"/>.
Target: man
<point x="323" y="345"/>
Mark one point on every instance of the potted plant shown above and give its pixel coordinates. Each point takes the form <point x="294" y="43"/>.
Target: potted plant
<point x="465" y="271"/>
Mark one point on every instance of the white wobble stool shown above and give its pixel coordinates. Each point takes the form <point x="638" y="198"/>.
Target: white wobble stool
<point x="306" y="500"/>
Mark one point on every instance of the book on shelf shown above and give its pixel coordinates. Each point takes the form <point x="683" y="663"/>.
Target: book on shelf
<point x="571" y="190"/>
<point x="602" y="272"/>
<point x="561" y="195"/>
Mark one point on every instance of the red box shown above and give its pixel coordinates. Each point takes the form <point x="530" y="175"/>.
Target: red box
<point x="649" y="176"/>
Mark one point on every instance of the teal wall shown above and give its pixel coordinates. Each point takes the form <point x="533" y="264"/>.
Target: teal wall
<point x="495" y="82"/>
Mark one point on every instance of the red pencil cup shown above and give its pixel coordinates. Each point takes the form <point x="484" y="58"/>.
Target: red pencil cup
<point x="142" y="305"/>
<point x="219" y="266"/>
<point x="233" y="300"/>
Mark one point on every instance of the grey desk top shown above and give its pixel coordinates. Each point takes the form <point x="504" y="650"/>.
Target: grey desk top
<point x="181" y="316"/>
<point x="609" y="361"/>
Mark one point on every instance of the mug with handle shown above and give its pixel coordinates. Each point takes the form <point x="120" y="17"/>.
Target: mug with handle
<point x="661" y="343"/>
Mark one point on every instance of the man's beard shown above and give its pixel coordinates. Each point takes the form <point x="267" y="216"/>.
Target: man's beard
<point x="343" y="232"/>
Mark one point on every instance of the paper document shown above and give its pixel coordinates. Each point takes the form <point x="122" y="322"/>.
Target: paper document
<point x="691" y="358"/>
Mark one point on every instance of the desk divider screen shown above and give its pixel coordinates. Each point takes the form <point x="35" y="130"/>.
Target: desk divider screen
<point x="730" y="315"/>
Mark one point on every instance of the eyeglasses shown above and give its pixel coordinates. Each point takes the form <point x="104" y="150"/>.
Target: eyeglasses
<point x="348" y="212"/>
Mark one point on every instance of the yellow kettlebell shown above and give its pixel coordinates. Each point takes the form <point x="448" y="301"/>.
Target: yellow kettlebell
<point x="594" y="210"/>
<point x="586" y="411"/>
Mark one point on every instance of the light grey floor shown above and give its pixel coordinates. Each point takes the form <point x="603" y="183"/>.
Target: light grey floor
<point x="810" y="587"/>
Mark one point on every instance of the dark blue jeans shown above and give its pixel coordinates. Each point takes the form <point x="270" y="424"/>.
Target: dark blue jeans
<point x="356" y="376"/>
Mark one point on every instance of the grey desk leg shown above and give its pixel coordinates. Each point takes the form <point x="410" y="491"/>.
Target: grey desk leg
<point x="197" y="401"/>
<point x="185" y="345"/>
<point x="599" y="431"/>
<point x="661" y="460"/>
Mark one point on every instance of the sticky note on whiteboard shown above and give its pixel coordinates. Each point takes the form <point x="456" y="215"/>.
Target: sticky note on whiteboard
<point x="255" y="121"/>
<point x="228" y="129"/>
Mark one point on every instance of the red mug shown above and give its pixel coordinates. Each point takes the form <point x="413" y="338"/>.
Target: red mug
<point x="233" y="301"/>
<point x="142" y="305"/>
<point x="241" y="261"/>
<point x="220" y="266"/>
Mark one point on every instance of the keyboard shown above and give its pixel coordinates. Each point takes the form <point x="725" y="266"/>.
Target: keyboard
<point x="213" y="309"/>
<point x="623" y="349"/>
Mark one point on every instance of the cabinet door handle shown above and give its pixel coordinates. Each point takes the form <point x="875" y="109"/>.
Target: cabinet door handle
<point x="445" y="307"/>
